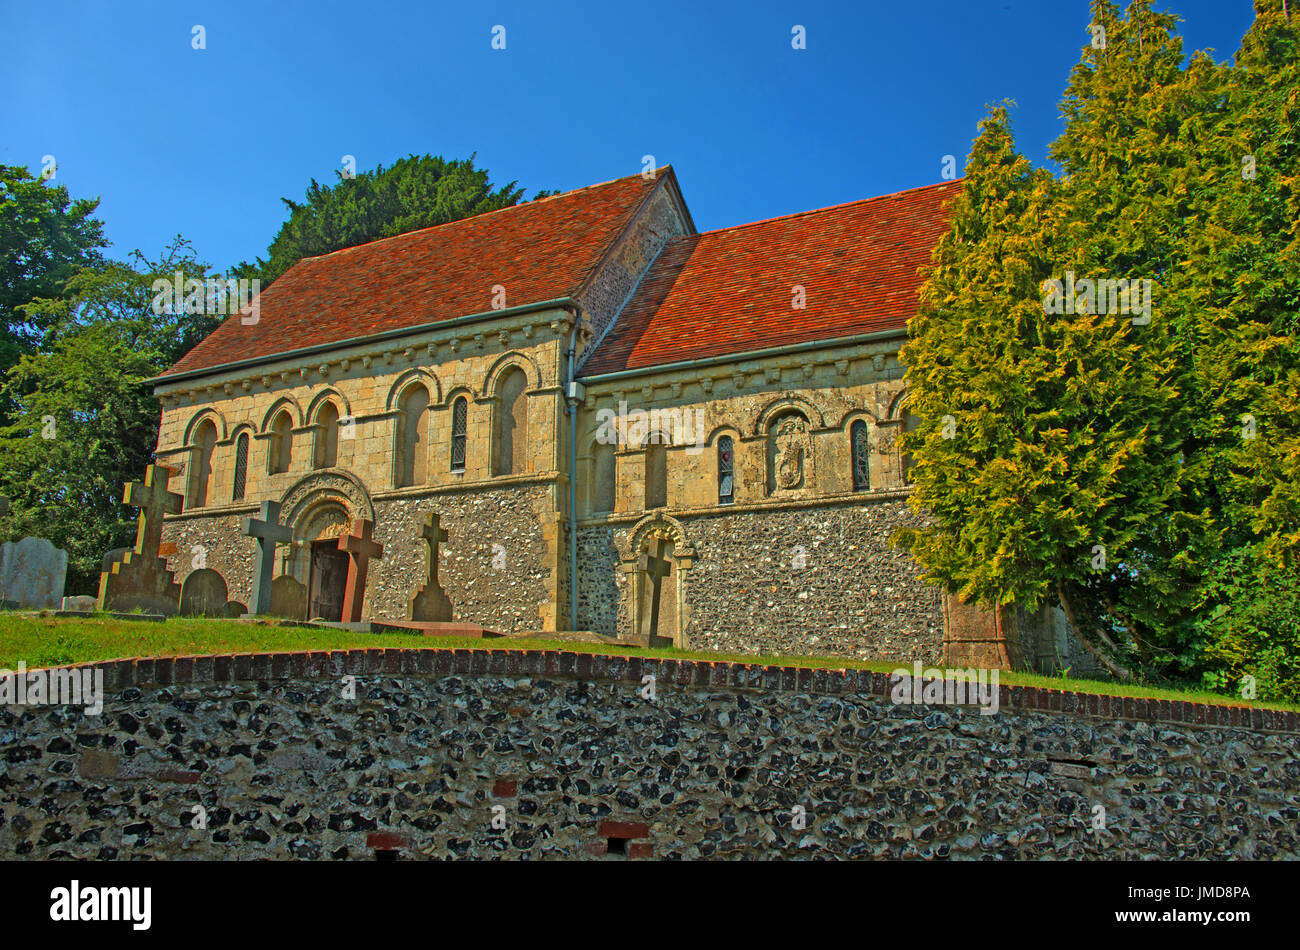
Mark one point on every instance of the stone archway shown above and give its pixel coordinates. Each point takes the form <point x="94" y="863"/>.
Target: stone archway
<point x="319" y="509"/>
<point x="674" y="614"/>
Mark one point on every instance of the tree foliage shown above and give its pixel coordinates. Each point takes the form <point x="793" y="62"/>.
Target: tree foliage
<point x="87" y="420"/>
<point x="45" y="237"/>
<point x="416" y="192"/>
<point x="1101" y="462"/>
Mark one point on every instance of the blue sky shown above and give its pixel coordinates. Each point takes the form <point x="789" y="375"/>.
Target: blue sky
<point x="205" y="142"/>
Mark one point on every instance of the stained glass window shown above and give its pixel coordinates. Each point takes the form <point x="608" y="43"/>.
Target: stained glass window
<point x="861" y="456"/>
<point x="459" y="410"/>
<point x="726" y="471"/>
<point x="241" y="466"/>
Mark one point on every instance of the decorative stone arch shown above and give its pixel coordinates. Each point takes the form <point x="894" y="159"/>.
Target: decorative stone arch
<point x="644" y="534"/>
<point x="783" y="404"/>
<point x="853" y="415"/>
<point x="419" y="375"/>
<point x="897" y="406"/>
<point x="218" y="419"/>
<point x="785" y="429"/>
<point x="283" y="403"/>
<point x="328" y="394"/>
<point x="726" y="428"/>
<point x="505" y="421"/>
<point x="321" y="506"/>
<point x="589" y="453"/>
<point x="502" y="364"/>
<point x="455" y="393"/>
<point x="420" y="464"/>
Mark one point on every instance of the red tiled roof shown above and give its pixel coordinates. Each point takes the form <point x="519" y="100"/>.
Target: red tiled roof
<point x="729" y="291"/>
<point x="539" y="250"/>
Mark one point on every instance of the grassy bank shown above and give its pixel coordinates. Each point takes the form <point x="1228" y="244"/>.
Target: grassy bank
<point x="52" y="641"/>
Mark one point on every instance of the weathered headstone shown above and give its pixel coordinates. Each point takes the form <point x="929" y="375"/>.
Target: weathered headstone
<point x="360" y="548"/>
<point x="140" y="578"/>
<point x="656" y="567"/>
<point x="78" y="602"/>
<point x="204" y="594"/>
<point x="268" y="531"/>
<point x="32" y="572"/>
<point x="288" y="598"/>
<point x="431" y="602"/>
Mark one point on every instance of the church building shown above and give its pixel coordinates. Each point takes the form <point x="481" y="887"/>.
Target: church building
<point x="596" y="400"/>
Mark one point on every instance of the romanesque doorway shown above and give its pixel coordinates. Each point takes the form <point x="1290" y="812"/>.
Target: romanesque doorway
<point x="327" y="577"/>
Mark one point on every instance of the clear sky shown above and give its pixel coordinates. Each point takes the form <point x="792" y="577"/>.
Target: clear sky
<point x="204" y="143"/>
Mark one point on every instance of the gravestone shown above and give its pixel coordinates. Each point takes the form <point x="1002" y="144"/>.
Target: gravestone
<point x="204" y="594"/>
<point x="79" y="602"/>
<point x="140" y="578"/>
<point x="32" y="572"/>
<point x="431" y="602"/>
<point x="288" y="598"/>
<point x="656" y="567"/>
<point x="269" y="532"/>
<point x="360" y="548"/>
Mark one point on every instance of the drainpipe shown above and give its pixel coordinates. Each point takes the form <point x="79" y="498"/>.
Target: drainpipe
<point x="571" y="407"/>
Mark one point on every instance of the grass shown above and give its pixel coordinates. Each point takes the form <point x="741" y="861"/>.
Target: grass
<point x="53" y="641"/>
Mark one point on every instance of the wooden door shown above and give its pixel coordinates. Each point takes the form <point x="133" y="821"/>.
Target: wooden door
<point x="329" y="574"/>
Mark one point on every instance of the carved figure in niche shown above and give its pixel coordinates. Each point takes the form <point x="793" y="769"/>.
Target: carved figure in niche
<point x="791" y="447"/>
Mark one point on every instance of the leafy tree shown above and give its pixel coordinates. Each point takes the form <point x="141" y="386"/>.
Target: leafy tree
<point x="45" y="237"/>
<point x="87" y="420"/>
<point x="416" y="192"/>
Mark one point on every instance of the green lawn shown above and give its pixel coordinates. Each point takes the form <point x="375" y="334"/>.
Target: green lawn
<point x="52" y="641"/>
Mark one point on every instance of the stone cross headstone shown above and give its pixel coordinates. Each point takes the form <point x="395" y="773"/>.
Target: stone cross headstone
<point x="140" y="578"/>
<point x="204" y="594"/>
<point x="656" y="567"/>
<point x="268" y="531"/>
<point x="360" y="548"/>
<point x="431" y="602"/>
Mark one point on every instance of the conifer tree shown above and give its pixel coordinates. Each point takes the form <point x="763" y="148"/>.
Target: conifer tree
<point x="1041" y="450"/>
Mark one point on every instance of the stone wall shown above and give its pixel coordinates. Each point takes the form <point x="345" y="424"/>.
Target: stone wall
<point x="498" y="566"/>
<point x="819" y="580"/>
<point x="608" y="289"/>
<point x="563" y="749"/>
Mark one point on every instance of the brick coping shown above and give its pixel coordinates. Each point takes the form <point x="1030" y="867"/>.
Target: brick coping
<point x="316" y="664"/>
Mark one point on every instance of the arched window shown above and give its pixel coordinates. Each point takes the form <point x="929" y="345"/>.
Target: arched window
<point x="459" y="427"/>
<point x="241" y="467"/>
<point x="280" y="453"/>
<point x="327" y="436"/>
<point x="512" y="424"/>
<point x="205" y="441"/>
<point x="656" y="471"/>
<point x="602" y="478"/>
<point x="861" y="456"/>
<point x="726" y="471"/>
<point x="413" y="449"/>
